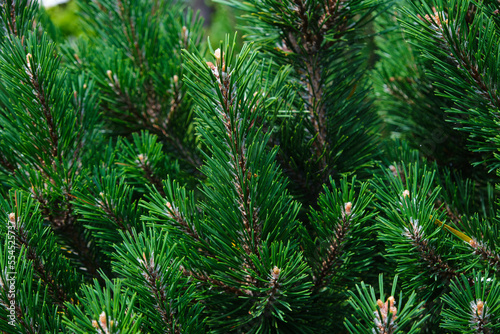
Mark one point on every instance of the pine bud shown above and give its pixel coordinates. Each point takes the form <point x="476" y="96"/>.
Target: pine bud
<point x="211" y="65"/>
<point x="406" y="193"/>
<point x="12" y="217"/>
<point x="169" y="210"/>
<point x="28" y="58"/>
<point x="480" y="307"/>
<point x="382" y="315"/>
<point x="110" y="75"/>
<point x="380" y="303"/>
<point x="275" y="272"/>
<point x="103" y="323"/>
<point x="478" y="312"/>
<point x="102" y="319"/>
<point x="392" y="308"/>
<point x="176" y="79"/>
<point x="217" y="54"/>
<point x="347" y="208"/>
<point x="393" y="170"/>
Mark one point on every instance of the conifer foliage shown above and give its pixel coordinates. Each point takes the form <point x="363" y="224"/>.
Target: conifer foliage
<point x="153" y="181"/>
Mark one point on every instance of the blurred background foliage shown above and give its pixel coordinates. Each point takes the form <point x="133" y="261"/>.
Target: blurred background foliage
<point x="219" y="19"/>
<point x="65" y="17"/>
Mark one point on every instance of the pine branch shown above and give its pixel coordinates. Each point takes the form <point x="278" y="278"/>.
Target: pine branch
<point x="40" y="268"/>
<point x="459" y="56"/>
<point x="18" y="18"/>
<point x="56" y="290"/>
<point x="12" y="23"/>
<point x="150" y="176"/>
<point x="248" y="213"/>
<point x="412" y="234"/>
<point x="129" y="32"/>
<point x="9" y="300"/>
<point x="464" y="65"/>
<point x="333" y="255"/>
<point x="150" y="267"/>
<point x="435" y="263"/>
<point x="104" y="310"/>
<point x="143" y="41"/>
<point x="341" y="248"/>
<point x="238" y="160"/>
<point x="211" y="282"/>
<point x="46" y="109"/>
<point x="185" y="226"/>
<point x="486" y="254"/>
<point x="152" y="276"/>
<point x="471" y="304"/>
<point x="317" y="38"/>
<point x="107" y="205"/>
<point x="390" y="316"/>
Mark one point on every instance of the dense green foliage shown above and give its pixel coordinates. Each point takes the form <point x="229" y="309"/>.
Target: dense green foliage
<point x="335" y="174"/>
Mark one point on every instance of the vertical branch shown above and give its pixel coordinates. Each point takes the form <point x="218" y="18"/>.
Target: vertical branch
<point x="154" y="284"/>
<point x="46" y="110"/>
<point x="237" y="156"/>
<point x="56" y="290"/>
<point x="335" y="249"/>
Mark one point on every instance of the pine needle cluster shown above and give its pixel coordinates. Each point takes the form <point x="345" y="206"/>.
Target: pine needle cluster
<point x="336" y="174"/>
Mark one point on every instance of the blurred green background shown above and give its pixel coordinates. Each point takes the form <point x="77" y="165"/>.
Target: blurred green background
<point x="219" y="19"/>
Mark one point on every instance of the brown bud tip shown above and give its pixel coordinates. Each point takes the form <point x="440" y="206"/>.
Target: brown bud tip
<point x="176" y="79"/>
<point x="406" y="193"/>
<point x="102" y="320"/>
<point x="275" y="272"/>
<point x="380" y="303"/>
<point x="12" y="217"/>
<point x="217" y="54"/>
<point x="473" y="243"/>
<point x="28" y="59"/>
<point x="480" y="307"/>
<point x="347" y="208"/>
<point x="394" y="170"/>
<point x="110" y="75"/>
